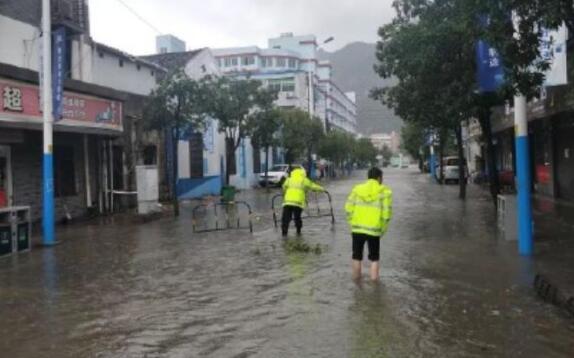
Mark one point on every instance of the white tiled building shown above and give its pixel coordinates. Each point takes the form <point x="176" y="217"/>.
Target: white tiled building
<point x="290" y="64"/>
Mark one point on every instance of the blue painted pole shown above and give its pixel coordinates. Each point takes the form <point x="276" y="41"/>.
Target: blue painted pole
<point x="48" y="237"/>
<point x="524" y="212"/>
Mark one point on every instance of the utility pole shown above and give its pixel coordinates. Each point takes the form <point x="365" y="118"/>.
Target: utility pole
<point x="524" y="212"/>
<point x="48" y="237"/>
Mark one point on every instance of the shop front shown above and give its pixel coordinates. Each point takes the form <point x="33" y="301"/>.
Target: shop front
<point x="83" y="151"/>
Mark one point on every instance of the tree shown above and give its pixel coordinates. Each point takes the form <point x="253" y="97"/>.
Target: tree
<point x="234" y="103"/>
<point x="445" y="32"/>
<point x="313" y="134"/>
<point x="413" y="138"/>
<point x="175" y="105"/>
<point x="264" y="131"/>
<point x="364" y="152"/>
<point x="336" y="146"/>
<point x="432" y="58"/>
<point x="387" y="153"/>
<point x="299" y="133"/>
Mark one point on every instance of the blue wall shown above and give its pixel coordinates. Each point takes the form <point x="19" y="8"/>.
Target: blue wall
<point x="194" y="188"/>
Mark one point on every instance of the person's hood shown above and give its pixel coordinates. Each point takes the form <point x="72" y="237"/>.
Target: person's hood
<point x="370" y="191"/>
<point x="298" y="174"/>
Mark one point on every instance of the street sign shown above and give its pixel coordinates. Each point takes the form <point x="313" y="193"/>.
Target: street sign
<point x="553" y="50"/>
<point x="490" y="69"/>
<point x="58" y="71"/>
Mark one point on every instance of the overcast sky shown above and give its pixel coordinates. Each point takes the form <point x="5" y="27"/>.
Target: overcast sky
<point x="231" y="23"/>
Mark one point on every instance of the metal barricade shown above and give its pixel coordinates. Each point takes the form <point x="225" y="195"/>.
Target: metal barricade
<point x="229" y="223"/>
<point x="311" y="211"/>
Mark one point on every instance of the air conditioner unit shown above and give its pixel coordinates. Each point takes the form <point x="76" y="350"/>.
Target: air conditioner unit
<point x="290" y="95"/>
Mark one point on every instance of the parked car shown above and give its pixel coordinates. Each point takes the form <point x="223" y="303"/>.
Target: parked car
<point x="277" y="174"/>
<point x="451" y="170"/>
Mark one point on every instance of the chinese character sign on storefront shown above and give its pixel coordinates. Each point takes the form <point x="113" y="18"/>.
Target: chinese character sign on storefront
<point x="12" y="99"/>
<point x="21" y="101"/>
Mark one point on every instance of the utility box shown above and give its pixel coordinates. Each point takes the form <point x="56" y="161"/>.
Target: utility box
<point x="507" y="216"/>
<point x="147" y="189"/>
<point x="15" y="230"/>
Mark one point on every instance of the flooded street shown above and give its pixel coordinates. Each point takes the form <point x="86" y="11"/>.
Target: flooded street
<point x="449" y="288"/>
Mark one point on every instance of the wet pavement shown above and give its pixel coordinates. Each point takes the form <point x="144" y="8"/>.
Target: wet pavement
<point x="450" y="287"/>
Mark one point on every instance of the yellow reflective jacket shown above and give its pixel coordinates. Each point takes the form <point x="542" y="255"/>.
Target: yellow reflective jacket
<point x="369" y="208"/>
<point x="295" y="188"/>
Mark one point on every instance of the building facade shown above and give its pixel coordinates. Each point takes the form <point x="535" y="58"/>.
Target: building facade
<point x="201" y="155"/>
<point x="291" y="65"/>
<point x="390" y="140"/>
<point x="169" y="44"/>
<point x="96" y="146"/>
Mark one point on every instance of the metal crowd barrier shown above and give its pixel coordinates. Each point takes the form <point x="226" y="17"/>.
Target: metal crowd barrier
<point x="229" y="223"/>
<point x="310" y="211"/>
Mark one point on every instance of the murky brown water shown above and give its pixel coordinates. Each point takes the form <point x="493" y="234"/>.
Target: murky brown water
<point x="449" y="288"/>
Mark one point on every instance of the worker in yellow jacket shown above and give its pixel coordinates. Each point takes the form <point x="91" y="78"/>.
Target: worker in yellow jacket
<point x="294" y="198"/>
<point x="369" y="211"/>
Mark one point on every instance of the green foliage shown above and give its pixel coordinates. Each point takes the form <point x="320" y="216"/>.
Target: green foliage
<point x="264" y="127"/>
<point x="178" y="101"/>
<point x="298" y="133"/>
<point x="234" y="103"/>
<point x="337" y="147"/>
<point x="387" y="153"/>
<point x="412" y="139"/>
<point x="364" y="152"/>
<point x="300" y="246"/>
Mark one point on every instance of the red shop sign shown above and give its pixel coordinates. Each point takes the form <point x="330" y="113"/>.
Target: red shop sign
<point x="20" y="102"/>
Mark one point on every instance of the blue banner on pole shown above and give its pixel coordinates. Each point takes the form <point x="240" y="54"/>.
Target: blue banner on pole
<point x="490" y="68"/>
<point x="59" y="57"/>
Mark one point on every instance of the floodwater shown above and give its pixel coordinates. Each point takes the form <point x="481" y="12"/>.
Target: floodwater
<point x="450" y="287"/>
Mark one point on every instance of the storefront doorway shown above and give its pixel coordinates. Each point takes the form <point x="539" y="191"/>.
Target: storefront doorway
<point x="565" y="163"/>
<point x="5" y="177"/>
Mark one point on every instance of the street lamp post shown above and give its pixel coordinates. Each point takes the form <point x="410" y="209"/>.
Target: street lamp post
<point x="311" y="76"/>
<point x="48" y="237"/>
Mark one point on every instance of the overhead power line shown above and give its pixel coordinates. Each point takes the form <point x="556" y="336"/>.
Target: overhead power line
<point x="141" y="18"/>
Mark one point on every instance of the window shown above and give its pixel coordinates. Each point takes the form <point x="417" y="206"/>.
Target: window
<point x="139" y="67"/>
<point x="150" y="155"/>
<point x="121" y="63"/>
<point x="247" y="60"/>
<point x="288" y="85"/>
<point x="275" y="85"/>
<point x="292" y="63"/>
<point x="100" y="54"/>
<point x="230" y="61"/>
<point x="280" y="62"/>
<point x="64" y="172"/>
<point x="282" y="84"/>
<point x="152" y="73"/>
<point x="256" y="159"/>
<point x="266" y="62"/>
<point x="196" y="155"/>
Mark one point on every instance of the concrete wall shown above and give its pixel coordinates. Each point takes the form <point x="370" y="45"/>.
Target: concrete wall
<point x="21" y="47"/>
<point x="107" y="72"/>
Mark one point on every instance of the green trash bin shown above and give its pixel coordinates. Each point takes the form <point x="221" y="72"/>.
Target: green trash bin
<point x="228" y="194"/>
<point x="5" y="240"/>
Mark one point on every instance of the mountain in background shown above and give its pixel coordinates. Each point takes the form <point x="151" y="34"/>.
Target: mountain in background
<point x="353" y="71"/>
